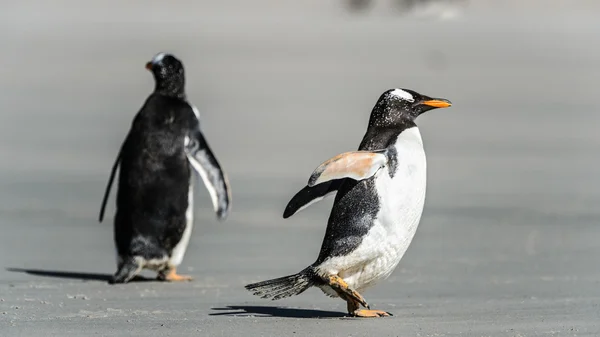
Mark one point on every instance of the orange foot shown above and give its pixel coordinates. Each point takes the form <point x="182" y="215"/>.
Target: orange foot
<point x="370" y="313"/>
<point x="345" y="292"/>
<point x="172" y="276"/>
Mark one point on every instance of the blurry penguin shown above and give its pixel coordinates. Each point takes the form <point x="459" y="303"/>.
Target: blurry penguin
<point x="380" y="198"/>
<point x="154" y="209"/>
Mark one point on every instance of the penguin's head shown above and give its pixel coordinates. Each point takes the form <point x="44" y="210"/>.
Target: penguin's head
<point x="403" y="105"/>
<point x="168" y="74"/>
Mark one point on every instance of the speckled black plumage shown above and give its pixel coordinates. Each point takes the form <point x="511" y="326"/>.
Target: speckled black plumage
<point x="154" y="177"/>
<point x="155" y="173"/>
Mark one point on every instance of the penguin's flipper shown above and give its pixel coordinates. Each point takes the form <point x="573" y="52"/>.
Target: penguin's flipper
<point x="310" y="195"/>
<point x="357" y="165"/>
<point x="108" y="187"/>
<point x="204" y="162"/>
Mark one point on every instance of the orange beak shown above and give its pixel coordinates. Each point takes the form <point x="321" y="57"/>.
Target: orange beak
<point x="438" y="103"/>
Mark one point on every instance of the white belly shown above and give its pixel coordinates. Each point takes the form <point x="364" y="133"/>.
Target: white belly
<point x="181" y="247"/>
<point x="401" y="204"/>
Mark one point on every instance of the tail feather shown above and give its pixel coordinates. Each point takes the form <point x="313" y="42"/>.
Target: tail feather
<point x="284" y="286"/>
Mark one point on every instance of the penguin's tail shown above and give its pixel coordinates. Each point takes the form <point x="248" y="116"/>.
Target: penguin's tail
<point x="284" y="286"/>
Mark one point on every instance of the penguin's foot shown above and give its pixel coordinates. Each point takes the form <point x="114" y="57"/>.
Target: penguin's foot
<point x="370" y="313"/>
<point x="172" y="276"/>
<point x="355" y="312"/>
<point x="345" y="292"/>
<point x="128" y="269"/>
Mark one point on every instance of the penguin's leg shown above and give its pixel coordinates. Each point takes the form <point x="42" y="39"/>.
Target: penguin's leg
<point x="354" y="311"/>
<point x="170" y="271"/>
<point x="127" y="270"/>
<point x="353" y="299"/>
<point x="170" y="274"/>
<point x="348" y="294"/>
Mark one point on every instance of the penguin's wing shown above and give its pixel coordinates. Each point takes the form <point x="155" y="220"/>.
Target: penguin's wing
<point x="204" y="162"/>
<point x="108" y="186"/>
<point x="310" y="195"/>
<point x="357" y="165"/>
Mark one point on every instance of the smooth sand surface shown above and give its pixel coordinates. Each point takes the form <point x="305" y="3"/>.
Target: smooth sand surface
<point x="509" y="241"/>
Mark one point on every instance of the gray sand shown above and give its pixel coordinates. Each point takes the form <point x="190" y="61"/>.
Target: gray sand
<point x="508" y="244"/>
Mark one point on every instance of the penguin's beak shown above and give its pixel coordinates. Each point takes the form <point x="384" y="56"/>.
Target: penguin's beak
<point x="149" y="65"/>
<point x="437" y="103"/>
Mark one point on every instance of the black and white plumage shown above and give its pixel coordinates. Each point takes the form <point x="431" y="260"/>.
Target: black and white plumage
<point x="380" y="195"/>
<point x="154" y="213"/>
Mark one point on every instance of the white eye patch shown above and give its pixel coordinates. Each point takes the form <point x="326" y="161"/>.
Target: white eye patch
<point x="402" y="95"/>
<point x="158" y="57"/>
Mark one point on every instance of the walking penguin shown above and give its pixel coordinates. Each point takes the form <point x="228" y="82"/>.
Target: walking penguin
<point x="379" y="201"/>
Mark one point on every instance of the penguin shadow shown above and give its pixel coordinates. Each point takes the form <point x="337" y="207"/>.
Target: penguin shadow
<point x="74" y="275"/>
<point x="271" y="311"/>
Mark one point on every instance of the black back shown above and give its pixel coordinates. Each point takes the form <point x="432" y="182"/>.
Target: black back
<point x="154" y="177"/>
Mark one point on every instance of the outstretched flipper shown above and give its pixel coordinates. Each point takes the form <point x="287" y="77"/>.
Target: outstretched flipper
<point x="310" y="195"/>
<point x="108" y="186"/>
<point x="357" y="165"/>
<point x="204" y="162"/>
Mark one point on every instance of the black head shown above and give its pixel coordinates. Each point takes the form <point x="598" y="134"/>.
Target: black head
<point x="168" y="74"/>
<point x="401" y="106"/>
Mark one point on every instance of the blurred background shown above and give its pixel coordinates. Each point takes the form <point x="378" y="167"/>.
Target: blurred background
<point x="508" y="243"/>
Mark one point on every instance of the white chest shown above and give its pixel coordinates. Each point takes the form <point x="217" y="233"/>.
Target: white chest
<point x="401" y="198"/>
<point x="181" y="247"/>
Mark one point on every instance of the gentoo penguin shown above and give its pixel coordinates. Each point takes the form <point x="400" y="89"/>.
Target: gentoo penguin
<point x="154" y="213"/>
<point x="380" y="197"/>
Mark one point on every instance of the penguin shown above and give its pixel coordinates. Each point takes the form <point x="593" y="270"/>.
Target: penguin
<point x="379" y="198"/>
<point x="154" y="207"/>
